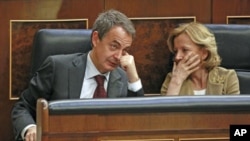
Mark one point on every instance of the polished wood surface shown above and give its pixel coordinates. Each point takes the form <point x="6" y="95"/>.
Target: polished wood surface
<point x="224" y="8"/>
<point x="164" y="8"/>
<point x="133" y="126"/>
<point x="207" y="11"/>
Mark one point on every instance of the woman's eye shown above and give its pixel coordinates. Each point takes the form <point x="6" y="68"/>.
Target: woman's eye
<point x="185" y="50"/>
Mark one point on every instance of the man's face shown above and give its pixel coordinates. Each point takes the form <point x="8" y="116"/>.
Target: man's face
<point x="107" y="51"/>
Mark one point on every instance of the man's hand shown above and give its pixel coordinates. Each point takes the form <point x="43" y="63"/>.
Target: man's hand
<point x="31" y="134"/>
<point x="128" y="64"/>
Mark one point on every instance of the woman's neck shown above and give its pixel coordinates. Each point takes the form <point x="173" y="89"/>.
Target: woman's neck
<point x="199" y="79"/>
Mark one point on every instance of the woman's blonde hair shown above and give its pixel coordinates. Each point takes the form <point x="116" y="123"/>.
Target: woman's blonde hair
<point x="202" y="37"/>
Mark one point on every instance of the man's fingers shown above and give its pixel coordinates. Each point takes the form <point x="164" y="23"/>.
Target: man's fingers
<point x="125" y="53"/>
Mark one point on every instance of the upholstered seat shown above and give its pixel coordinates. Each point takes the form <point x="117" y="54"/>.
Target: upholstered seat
<point x="58" y="41"/>
<point x="233" y="43"/>
<point x="233" y="46"/>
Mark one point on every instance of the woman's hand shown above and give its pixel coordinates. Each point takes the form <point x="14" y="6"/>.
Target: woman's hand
<point x="183" y="68"/>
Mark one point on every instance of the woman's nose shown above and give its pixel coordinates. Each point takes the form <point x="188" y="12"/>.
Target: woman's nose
<point x="178" y="56"/>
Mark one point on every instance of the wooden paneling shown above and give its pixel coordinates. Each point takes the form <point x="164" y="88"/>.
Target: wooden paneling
<point x="128" y="125"/>
<point x="81" y="9"/>
<point x="163" y="8"/>
<point x="206" y="11"/>
<point x="224" y="8"/>
<point x="206" y="139"/>
<point x="238" y="19"/>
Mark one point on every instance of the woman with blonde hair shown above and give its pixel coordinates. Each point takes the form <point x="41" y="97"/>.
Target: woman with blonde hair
<point x="196" y="69"/>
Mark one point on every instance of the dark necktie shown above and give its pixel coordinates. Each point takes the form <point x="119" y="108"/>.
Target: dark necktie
<point x="100" y="90"/>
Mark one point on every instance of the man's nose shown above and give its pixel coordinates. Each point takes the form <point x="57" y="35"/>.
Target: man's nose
<point x="118" y="54"/>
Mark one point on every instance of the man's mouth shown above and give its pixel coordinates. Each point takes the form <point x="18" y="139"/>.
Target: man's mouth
<point x="113" y="64"/>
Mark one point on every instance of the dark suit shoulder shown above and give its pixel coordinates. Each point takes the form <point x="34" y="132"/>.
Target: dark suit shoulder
<point x="70" y="59"/>
<point x="121" y="71"/>
<point x="65" y="57"/>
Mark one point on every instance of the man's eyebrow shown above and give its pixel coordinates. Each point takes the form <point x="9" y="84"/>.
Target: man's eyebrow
<point x="115" y="41"/>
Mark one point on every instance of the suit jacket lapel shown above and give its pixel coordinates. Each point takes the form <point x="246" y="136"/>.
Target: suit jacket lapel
<point x="76" y="76"/>
<point x="115" y="85"/>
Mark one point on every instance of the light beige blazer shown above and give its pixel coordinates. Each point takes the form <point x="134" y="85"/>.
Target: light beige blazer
<point x="221" y="81"/>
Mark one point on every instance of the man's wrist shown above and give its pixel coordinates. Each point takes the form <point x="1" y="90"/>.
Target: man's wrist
<point x="24" y="131"/>
<point x="135" y="86"/>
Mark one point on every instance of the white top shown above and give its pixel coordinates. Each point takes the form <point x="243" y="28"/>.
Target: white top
<point x="200" y="92"/>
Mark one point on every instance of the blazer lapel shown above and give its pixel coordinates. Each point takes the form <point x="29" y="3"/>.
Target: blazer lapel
<point x="214" y="89"/>
<point x="115" y="85"/>
<point x="186" y="88"/>
<point x="76" y="76"/>
<point x="215" y="83"/>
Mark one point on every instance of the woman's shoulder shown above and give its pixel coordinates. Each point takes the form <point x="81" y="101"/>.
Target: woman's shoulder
<point x="223" y="71"/>
<point x="220" y="74"/>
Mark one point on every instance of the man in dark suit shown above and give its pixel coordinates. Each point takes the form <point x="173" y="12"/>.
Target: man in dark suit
<point x="73" y="76"/>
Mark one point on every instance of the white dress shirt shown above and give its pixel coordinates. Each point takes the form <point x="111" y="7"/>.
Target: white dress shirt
<point x="89" y="83"/>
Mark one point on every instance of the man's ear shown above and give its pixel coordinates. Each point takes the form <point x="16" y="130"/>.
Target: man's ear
<point x="95" y="38"/>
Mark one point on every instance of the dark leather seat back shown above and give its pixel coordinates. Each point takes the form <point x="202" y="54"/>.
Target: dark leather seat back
<point x="233" y="43"/>
<point x="58" y="41"/>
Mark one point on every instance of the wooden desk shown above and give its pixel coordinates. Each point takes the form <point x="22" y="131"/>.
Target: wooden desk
<point x="142" y="119"/>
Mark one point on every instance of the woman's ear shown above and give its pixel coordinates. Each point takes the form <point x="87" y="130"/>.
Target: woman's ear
<point x="95" y="38"/>
<point x="204" y="54"/>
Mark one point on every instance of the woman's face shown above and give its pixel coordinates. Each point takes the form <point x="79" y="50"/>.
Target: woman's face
<point x="184" y="46"/>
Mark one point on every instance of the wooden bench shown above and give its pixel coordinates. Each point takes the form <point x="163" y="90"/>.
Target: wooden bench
<point x="180" y="118"/>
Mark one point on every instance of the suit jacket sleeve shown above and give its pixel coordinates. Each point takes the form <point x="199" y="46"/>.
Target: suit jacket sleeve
<point x="24" y="110"/>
